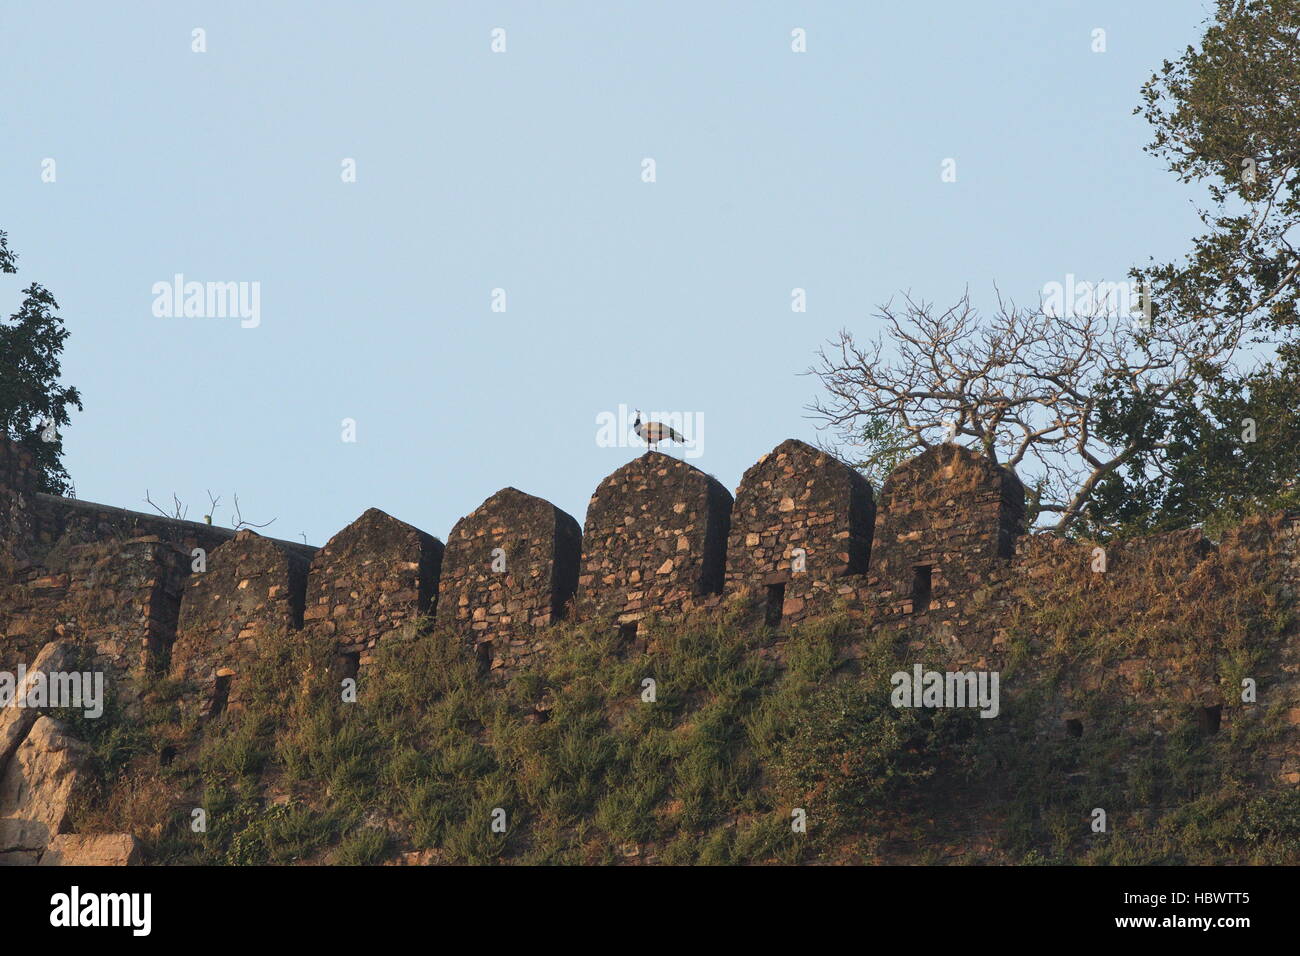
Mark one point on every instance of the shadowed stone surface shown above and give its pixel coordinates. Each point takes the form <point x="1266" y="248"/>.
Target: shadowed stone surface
<point x="18" y="482"/>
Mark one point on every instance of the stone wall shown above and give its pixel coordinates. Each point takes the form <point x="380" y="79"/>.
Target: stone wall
<point x="654" y="541"/>
<point x="120" y="598"/>
<point x="18" y="482"/>
<point x="253" y="590"/>
<point x="801" y="523"/>
<point x="661" y="537"/>
<point x="946" y="521"/>
<point x="69" y="521"/>
<point x="374" y="576"/>
<point x="1274" y="540"/>
<point x="94" y="574"/>
<point x="511" y="568"/>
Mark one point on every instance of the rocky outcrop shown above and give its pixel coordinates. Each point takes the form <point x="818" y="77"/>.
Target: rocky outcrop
<point x="16" y="721"/>
<point x="37" y="789"/>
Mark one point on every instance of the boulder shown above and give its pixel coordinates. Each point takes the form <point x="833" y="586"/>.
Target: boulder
<point x="92" y="849"/>
<point x="16" y="722"/>
<point x="38" y="786"/>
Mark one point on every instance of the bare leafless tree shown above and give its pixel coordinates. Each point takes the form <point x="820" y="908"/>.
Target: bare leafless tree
<point x="241" y="523"/>
<point x="180" y="510"/>
<point x="1027" y="387"/>
<point x="211" y="516"/>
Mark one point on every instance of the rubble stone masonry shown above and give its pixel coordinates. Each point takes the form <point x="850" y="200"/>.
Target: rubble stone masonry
<point x="802" y="522"/>
<point x="939" y="556"/>
<point x="655" y="540"/>
<point x="253" y="589"/>
<point x="371" y="578"/>
<point x="510" y="569"/>
<point x="946" y="521"/>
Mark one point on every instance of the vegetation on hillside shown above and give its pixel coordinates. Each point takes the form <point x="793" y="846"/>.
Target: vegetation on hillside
<point x="738" y="737"/>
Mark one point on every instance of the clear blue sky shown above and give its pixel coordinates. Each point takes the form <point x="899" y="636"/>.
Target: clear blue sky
<point x="522" y="171"/>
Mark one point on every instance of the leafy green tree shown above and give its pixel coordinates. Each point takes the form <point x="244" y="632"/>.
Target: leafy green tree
<point x="1229" y="453"/>
<point x="33" y="404"/>
<point x="1226" y="117"/>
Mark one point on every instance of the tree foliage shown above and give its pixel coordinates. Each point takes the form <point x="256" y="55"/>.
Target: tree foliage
<point x="33" y="403"/>
<point x="1225" y="117"/>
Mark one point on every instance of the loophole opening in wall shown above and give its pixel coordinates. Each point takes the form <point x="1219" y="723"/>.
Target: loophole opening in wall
<point x="922" y="580"/>
<point x="1074" y="728"/>
<point x="774" y="609"/>
<point x="627" y="632"/>
<point x="349" y="665"/>
<point x="483" y="656"/>
<point x="1209" y="719"/>
<point x="220" y="697"/>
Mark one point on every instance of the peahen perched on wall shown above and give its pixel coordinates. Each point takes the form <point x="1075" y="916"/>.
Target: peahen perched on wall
<point x="652" y="433"/>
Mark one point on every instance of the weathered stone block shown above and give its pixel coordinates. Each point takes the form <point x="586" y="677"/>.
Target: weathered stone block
<point x="92" y="849"/>
<point x="38" y="786"/>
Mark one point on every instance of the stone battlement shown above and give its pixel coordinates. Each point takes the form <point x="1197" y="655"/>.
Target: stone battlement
<point x="941" y="547"/>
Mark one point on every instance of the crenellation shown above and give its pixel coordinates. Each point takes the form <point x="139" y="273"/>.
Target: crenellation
<point x="801" y="525"/>
<point x="510" y="569"/>
<point x="654" y="541"/>
<point x="946" y="521"/>
<point x="253" y="589"/>
<point x="374" y="576"/>
<point x="120" y="598"/>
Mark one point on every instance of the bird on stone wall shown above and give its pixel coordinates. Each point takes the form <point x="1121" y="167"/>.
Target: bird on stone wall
<point x="652" y="433"/>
